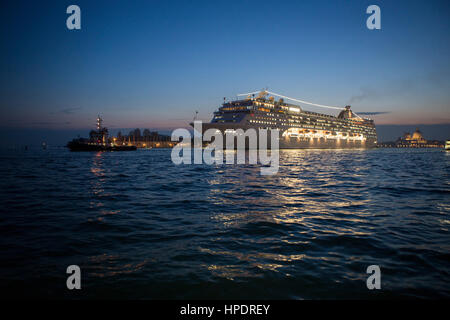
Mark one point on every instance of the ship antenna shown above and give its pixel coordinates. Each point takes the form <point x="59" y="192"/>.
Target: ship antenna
<point x="195" y="116"/>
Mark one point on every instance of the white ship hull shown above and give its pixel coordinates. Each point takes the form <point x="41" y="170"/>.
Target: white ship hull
<point x="298" y="142"/>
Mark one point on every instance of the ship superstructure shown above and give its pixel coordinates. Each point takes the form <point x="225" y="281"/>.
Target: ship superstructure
<point x="298" y="128"/>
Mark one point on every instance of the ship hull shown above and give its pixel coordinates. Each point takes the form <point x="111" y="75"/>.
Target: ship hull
<point x="286" y="142"/>
<point x="322" y="143"/>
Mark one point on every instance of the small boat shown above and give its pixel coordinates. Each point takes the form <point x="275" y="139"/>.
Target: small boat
<point x="447" y="145"/>
<point x="98" y="141"/>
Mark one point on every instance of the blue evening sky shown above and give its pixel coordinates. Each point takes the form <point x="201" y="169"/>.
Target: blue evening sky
<point x="153" y="63"/>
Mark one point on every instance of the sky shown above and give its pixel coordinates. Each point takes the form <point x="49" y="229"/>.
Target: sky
<point x="152" y="64"/>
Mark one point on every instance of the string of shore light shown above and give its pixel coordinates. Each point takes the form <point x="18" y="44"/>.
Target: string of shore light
<point x="296" y="100"/>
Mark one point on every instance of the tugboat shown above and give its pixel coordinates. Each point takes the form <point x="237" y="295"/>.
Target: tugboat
<point x="98" y="141"/>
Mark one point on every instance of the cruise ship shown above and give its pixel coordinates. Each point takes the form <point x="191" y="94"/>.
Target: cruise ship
<point x="299" y="129"/>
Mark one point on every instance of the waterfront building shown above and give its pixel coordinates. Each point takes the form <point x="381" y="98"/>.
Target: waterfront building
<point x="414" y="140"/>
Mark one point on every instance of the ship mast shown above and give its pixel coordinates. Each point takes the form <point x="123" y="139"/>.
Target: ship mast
<point x="102" y="132"/>
<point x="99" y="123"/>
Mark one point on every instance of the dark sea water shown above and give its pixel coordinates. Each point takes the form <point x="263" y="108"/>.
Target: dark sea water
<point x="140" y="227"/>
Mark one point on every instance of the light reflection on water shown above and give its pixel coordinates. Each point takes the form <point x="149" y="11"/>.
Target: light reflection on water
<point x="142" y="227"/>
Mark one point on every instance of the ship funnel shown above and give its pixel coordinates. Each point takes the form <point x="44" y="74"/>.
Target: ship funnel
<point x="346" y="113"/>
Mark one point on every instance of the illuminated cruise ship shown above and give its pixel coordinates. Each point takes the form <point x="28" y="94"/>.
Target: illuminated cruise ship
<point x="298" y="128"/>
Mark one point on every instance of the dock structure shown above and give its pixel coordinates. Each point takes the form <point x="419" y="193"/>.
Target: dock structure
<point x="152" y="144"/>
<point x="147" y="140"/>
